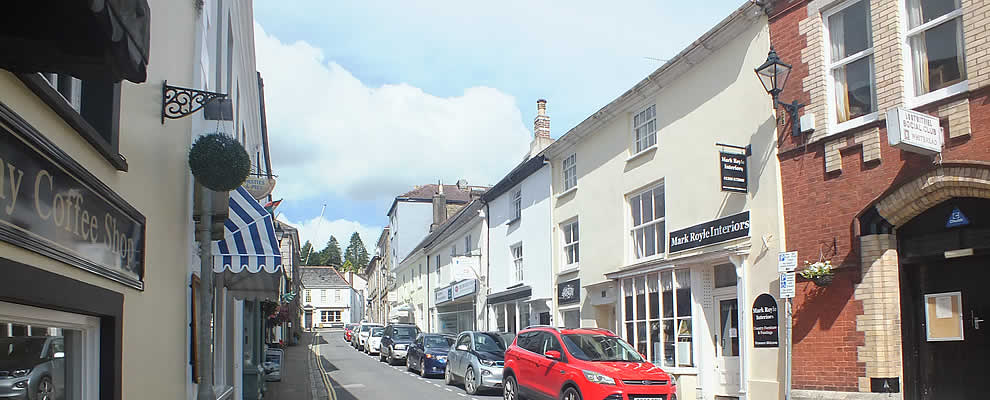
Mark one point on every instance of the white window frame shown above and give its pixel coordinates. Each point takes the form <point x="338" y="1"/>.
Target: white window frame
<point x="517" y="263"/>
<point x="569" y="170"/>
<point x="323" y="295"/>
<point x="419" y="277"/>
<point x="309" y="296"/>
<point x="661" y="246"/>
<point x="516" y="205"/>
<point x="911" y="99"/>
<point x="636" y="148"/>
<point x="337" y="295"/>
<point x="89" y="328"/>
<point x="468" y="245"/>
<point x="834" y="126"/>
<point x="453" y="252"/>
<point x="572" y="226"/>
<point x="675" y="319"/>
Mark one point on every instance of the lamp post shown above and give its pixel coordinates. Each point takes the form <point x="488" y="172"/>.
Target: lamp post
<point x="773" y="75"/>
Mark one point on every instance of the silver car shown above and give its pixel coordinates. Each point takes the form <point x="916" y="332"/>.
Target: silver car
<point x="477" y="359"/>
<point x="32" y="368"/>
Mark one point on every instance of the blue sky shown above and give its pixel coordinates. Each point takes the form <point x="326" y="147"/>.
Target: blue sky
<point x="367" y="99"/>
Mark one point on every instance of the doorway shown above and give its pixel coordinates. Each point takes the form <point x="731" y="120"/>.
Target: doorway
<point x="727" y="343"/>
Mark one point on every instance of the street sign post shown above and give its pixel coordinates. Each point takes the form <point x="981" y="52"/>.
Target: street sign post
<point x="788" y="282"/>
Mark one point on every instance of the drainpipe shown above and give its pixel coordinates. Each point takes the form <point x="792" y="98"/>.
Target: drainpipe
<point x="205" y="387"/>
<point x="488" y="261"/>
<point x="742" y="301"/>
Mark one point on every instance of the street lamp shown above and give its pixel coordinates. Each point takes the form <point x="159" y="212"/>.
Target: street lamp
<point x="773" y="75"/>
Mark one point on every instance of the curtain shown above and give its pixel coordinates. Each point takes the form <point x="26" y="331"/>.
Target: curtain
<point x="836" y="28"/>
<point x="919" y="51"/>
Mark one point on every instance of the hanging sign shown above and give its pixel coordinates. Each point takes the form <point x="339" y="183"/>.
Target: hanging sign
<point x="569" y="292"/>
<point x="765" y="326"/>
<point x="51" y="205"/>
<point x="464" y="267"/>
<point x="956" y="218"/>
<point x="719" y="230"/>
<point x="259" y="186"/>
<point x="914" y="131"/>
<point x="733" y="171"/>
<point x="788" y="281"/>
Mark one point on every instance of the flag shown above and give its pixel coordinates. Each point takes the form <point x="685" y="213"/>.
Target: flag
<point x="272" y="205"/>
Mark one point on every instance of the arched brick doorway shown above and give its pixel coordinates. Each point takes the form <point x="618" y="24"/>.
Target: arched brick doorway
<point x="920" y="272"/>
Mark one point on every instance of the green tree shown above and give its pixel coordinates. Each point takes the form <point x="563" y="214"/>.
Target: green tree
<point x="356" y="253"/>
<point x="330" y="255"/>
<point x="347" y="267"/>
<point x="306" y="252"/>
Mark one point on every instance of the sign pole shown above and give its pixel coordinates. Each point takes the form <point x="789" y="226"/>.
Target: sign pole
<point x="786" y="264"/>
<point x="788" y="346"/>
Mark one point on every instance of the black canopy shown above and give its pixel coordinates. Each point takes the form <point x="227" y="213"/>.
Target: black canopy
<point x="89" y="39"/>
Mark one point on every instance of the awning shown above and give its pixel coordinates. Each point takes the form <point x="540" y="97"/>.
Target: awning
<point x="105" y="40"/>
<point x="249" y="254"/>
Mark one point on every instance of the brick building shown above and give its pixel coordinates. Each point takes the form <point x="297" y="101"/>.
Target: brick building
<point x="908" y="232"/>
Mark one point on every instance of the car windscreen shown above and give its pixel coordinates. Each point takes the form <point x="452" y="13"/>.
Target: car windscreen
<point x="377" y="332"/>
<point x="405" y="332"/>
<point x="366" y="328"/>
<point x="489" y="342"/>
<point x="590" y="347"/>
<point x="21" y="349"/>
<point x="436" y="342"/>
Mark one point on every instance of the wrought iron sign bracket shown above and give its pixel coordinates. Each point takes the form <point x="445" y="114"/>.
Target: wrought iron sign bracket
<point x="178" y="102"/>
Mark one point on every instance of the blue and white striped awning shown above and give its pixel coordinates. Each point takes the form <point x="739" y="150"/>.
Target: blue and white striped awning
<point x="249" y="238"/>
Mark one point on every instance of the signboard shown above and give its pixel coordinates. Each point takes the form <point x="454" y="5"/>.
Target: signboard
<point x="464" y="288"/>
<point x="464" y="267"/>
<point x="765" y="326"/>
<point x="259" y="186"/>
<point x="943" y="317"/>
<point x="719" y="230"/>
<point x="956" y="218"/>
<point x="787" y="261"/>
<point x="273" y="365"/>
<point x="53" y="206"/>
<point x="787" y="285"/>
<point x="914" y="131"/>
<point x="733" y="171"/>
<point x="443" y="295"/>
<point x="569" y="292"/>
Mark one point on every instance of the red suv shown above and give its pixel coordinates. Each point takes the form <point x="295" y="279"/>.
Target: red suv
<point x="583" y="363"/>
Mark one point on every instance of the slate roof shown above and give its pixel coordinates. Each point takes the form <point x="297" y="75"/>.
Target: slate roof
<point x="315" y="277"/>
<point x="426" y="192"/>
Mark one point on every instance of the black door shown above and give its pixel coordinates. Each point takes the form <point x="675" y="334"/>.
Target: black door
<point x="952" y="369"/>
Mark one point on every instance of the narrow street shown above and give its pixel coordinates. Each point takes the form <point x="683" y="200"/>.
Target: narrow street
<point x="356" y="375"/>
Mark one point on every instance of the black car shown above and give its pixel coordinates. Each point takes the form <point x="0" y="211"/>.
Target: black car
<point x="396" y="341"/>
<point x="428" y="354"/>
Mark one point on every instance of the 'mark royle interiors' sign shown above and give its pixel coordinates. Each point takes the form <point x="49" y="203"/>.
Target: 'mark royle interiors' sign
<point x="711" y="232"/>
<point x="765" y="324"/>
<point x="914" y="131"/>
<point x="733" y="172"/>
<point x="51" y="205"/>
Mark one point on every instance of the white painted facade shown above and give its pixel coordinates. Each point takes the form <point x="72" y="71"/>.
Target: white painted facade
<point x="457" y="258"/>
<point x="707" y="94"/>
<point x="409" y="223"/>
<point x="331" y="305"/>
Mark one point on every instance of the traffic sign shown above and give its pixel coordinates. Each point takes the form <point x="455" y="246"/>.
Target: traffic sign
<point x="786" y="261"/>
<point x="787" y="285"/>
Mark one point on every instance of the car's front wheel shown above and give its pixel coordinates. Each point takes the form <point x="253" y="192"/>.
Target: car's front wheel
<point x="509" y="388"/>
<point x="470" y="382"/>
<point x="570" y="394"/>
<point x="46" y="391"/>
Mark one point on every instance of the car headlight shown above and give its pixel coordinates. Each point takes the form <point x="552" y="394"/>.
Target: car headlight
<point x="21" y="385"/>
<point x="595" y="377"/>
<point x="487" y="363"/>
<point x="17" y="373"/>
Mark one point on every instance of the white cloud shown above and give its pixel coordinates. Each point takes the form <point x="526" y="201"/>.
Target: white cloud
<point x="318" y="230"/>
<point x="331" y="135"/>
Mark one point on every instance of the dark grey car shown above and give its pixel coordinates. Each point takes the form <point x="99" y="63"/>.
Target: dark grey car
<point x="32" y="368"/>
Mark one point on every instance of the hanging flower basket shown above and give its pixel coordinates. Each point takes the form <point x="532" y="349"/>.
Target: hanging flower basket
<point x="820" y="272"/>
<point x="218" y="162"/>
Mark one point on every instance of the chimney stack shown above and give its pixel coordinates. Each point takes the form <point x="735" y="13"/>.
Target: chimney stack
<point x="541" y="130"/>
<point x="439" y="208"/>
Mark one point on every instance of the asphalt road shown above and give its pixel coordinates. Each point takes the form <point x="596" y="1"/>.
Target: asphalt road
<point x="355" y="375"/>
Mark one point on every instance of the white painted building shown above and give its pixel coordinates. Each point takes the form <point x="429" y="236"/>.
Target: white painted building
<point x="328" y="300"/>
<point x="457" y="256"/>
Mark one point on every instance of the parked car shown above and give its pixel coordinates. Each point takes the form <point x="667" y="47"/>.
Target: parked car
<point x="348" y="329"/>
<point x="363" y="331"/>
<point x="32" y="368"/>
<point x="477" y="359"/>
<point x="581" y="363"/>
<point x="373" y="344"/>
<point x="396" y="341"/>
<point x="428" y="354"/>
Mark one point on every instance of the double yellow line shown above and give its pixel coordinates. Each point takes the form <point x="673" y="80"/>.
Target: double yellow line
<point x="323" y="372"/>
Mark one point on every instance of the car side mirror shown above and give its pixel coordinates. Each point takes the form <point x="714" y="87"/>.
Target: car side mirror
<point x="59" y="354"/>
<point x="553" y="355"/>
<point x="462" y="347"/>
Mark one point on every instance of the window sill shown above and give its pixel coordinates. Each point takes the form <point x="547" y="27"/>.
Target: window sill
<point x="940" y="94"/>
<point x="642" y="153"/>
<point x="646" y="260"/>
<point x="569" y="269"/>
<point x="855" y="123"/>
<point x="567" y="192"/>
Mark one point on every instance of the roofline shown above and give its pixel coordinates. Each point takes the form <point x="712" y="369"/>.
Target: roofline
<point x="654" y="82"/>
<point x="515" y="176"/>
<point x="415" y="200"/>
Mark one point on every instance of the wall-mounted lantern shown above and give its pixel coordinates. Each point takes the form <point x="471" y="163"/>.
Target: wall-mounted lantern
<point x="773" y="74"/>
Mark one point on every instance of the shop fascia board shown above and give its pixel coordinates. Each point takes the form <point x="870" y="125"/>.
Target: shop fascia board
<point x="686" y="259"/>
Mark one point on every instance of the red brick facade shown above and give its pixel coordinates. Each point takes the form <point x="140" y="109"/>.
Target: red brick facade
<point x="821" y="209"/>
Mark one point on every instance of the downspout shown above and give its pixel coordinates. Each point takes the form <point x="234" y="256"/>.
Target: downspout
<point x="428" y="316"/>
<point x="554" y="309"/>
<point x="488" y="261"/>
<point x="205" y="387"/>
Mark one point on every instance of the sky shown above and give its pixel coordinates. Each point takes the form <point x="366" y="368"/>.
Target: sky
<point x="367" y="99"/>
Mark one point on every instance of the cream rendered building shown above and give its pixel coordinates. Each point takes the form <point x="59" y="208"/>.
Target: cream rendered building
<point x="631" y="179"/>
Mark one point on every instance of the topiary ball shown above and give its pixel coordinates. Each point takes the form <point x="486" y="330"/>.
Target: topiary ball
<point x="218" y="162"/>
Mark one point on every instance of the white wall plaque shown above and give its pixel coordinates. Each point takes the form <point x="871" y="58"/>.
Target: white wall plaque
<point x="914" y="131"/>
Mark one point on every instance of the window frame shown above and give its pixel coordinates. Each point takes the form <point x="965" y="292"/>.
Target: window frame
<point x="660" y="318"/>
<point x="323" y="295"/>
<point x="516" y="205"/>
<point x="834" y="126"/>
<point x="468" y="245"/>
<point x="573" y="227"/>
<point x="518" y="267"/>
<point x="913" y="100"/>
<point x="569" y="171"/>
<point x="660" y="246"/>
<point x="636" y="149"/>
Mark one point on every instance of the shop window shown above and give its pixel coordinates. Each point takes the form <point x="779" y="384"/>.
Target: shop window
<point x="657" y="311"/>
<point x="330" y="316"/>
<point x="645" y="128"/>
<point x="935" y="37"/>
<point x="500" y="318"/>
<point x="572" y="318"/>
<point x="571" y="251"/>
<point x="850" y="61"/>
<point x="648" y="229"/>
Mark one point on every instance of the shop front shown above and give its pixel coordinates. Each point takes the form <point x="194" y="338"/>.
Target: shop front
<point x="569" y="303"/>
<point x="456" y="307"/>
<point x="515" y="308"/>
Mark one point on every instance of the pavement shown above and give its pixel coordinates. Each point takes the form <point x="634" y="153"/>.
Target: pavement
<point x="295" y="384"/>
<point x="352" y="375"/>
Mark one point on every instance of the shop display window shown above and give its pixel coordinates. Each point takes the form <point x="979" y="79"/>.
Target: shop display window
<point x="657" y="311"/>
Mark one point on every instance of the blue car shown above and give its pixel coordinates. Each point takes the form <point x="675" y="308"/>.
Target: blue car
<point x="428" y="354"/>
